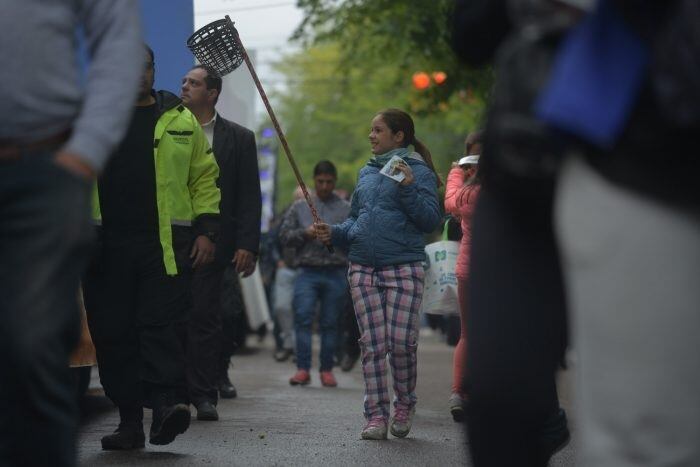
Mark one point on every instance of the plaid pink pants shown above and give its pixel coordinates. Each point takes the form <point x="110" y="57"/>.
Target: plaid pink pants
<point x="387" y="305"/>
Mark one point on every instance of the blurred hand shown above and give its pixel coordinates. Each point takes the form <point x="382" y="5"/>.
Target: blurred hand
<point x="310" y="232"/>
<point x="407" y="172"/>
<point x="323" y="233"/>
<point x="202" y="251"/>
<point x="75" y="165"/>
<point x="244" y="261"/>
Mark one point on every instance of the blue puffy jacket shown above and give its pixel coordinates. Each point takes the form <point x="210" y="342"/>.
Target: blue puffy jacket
<point x="387" y="221"/>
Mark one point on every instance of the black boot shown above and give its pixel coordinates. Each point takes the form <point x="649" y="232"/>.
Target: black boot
<point x="129" y="434"/>
<point x="282" y="355"/>
<point x="168" y="420"/>
<point x="347" y="363"/>
<point x="226" y="388"/>
<point x="206" y="411"/>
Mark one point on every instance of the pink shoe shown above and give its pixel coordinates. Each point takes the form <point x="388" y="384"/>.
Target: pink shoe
<point x="301" y="377"/>
<point x="375" y="429"/>
<point x="328" y="380"/>
<point x="401" y="422"/>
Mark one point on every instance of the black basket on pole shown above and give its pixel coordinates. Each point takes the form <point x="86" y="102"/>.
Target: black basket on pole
<point x="216" y="46"/>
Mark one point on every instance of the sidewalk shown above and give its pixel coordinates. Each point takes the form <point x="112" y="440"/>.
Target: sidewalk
<point x="272" y="423"/>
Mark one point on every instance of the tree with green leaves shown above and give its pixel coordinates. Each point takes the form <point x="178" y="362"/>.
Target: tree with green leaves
<point x="412" y="35"/>
<point x="358" y="57"/>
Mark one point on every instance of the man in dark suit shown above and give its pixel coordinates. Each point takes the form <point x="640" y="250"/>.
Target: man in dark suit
<point x="236" y="246"/>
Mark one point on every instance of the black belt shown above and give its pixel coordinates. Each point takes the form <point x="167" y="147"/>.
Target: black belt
<point x="12" y="150"/>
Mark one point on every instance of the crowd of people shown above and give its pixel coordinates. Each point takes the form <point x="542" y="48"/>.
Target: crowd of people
<point x="562" y="214"/>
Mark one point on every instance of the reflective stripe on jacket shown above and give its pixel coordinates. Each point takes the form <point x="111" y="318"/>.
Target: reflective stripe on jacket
<point x="186" y="175"/>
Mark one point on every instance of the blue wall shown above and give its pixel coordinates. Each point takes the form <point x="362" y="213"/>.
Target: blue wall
<point x="167" y="24"/>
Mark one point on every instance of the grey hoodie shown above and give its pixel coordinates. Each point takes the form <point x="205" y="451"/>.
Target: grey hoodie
<point x="41" y="81"/>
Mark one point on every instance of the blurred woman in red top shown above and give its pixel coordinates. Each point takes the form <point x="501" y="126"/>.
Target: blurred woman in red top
<point x="461" y="194"/>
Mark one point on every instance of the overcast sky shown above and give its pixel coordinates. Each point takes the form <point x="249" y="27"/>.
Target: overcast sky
<point x="264" y="27"/>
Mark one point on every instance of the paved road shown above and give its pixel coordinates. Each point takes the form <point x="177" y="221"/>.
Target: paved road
<point x="272" y="423"/>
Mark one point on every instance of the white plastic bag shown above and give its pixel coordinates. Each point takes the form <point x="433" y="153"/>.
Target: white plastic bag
<point x="440" y="288"/>
<point x="255" y="301"/>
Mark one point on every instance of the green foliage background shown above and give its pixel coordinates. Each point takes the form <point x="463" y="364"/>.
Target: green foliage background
<point x="358" y="57"/>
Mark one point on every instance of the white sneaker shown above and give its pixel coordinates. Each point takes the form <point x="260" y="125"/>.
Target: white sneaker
<point x="457" y="405"/>
<point x="375" y="429"/>
<point x="401" y="422"/>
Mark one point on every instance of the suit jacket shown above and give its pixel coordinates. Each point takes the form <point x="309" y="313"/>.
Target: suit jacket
<point x="239" y="181"/>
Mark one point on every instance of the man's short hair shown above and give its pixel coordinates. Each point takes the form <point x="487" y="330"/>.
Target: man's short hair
<point x="212" y="80"/>
<point x="325" y="167"/>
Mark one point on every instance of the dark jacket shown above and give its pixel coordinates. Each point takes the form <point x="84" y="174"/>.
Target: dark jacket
<point x="387" y="221"/>
<point x="239" y="180"/>
<point x="186" y="175"/>
<point x="313" y="253"/>
<point x="651" y="155"/>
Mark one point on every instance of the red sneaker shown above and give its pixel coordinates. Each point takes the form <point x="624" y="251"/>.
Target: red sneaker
<point x="328" y="380"/>
<point x="300" y="377"/>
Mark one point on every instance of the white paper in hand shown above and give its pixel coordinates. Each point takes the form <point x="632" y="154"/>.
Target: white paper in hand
<point x="390" y="169"/>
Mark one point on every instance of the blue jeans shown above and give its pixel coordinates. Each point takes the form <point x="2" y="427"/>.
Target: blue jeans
<point x="45" y="239"/>
<point x="327" y="285"/>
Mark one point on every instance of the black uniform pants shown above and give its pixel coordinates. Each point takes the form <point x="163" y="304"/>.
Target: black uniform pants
<point x="204" y="334"/>
<point x="235" y="324"/>
<point x="135" y="311"/>
<point x="44" y="244"/>
<point x="516" y="329"/>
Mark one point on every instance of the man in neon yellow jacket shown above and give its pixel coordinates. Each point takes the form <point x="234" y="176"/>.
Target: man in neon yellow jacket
<point x="156" y="207"/>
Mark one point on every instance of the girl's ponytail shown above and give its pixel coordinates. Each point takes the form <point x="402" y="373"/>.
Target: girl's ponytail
<point x="424" y="152"/>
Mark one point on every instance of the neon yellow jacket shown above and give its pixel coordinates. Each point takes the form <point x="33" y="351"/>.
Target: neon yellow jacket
<point x="186" y="174"/>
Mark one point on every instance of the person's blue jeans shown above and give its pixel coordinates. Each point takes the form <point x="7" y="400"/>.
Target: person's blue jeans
<point x="45" y="240"/>
<point x="328" y="286"/>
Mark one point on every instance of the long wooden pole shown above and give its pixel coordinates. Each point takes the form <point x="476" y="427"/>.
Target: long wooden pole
<point x="276" y="124"/>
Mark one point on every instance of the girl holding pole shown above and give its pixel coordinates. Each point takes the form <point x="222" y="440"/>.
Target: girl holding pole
<point x="384" y="239"/>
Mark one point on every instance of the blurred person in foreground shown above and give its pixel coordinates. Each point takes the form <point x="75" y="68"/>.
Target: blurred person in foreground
<point x="628" y="222"/>
<point x="384" y="238"/>
<point x="236" y="245"/>
<point x="516" y="320"/>
<point x="55" y="136"/>
<point x="614" y="95"/>
<point x="321" y="278"/>
<point x="461" y="193"/>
